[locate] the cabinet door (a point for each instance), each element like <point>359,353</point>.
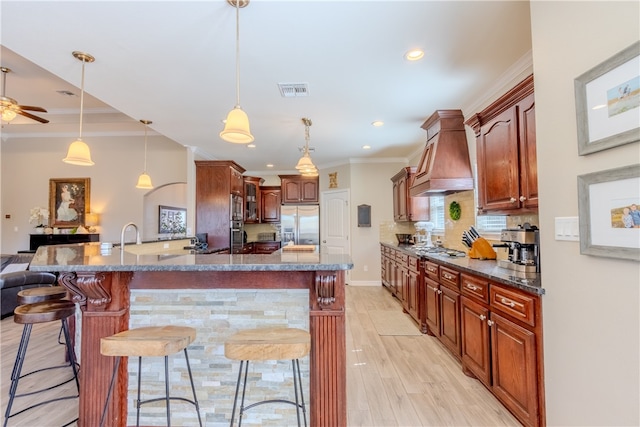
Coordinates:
<point>450,319</point>
<point>309,191</point>
<point>528,157</point>
<point>513,353</point>
<point>497,155</point>
<point>402,199</point>
<point>237,181</point>
<point>396,202</point>
<point>270,205</point>
<point>475,339</point>
<point>432,299</point>
<point>298,190</point>
<point>252,200</point>
<point>413,285</point>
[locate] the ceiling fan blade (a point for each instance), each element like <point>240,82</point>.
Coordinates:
<point>31,108</point>
<point>31,116</point>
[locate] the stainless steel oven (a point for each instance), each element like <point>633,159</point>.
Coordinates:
<point>236,223</point>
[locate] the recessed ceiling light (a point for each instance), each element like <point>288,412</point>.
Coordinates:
<point>366,147</point>
<point>251,145</point>
<point>414,55</point>
<point>269,165</point>
<point>377,123</point>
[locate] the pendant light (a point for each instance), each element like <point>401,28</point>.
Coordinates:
<point>236,128</point>
<point>79,153</point>
<point>305,165</point>
<point>144,181</point>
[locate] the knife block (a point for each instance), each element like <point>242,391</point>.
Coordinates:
<point>481,249</point>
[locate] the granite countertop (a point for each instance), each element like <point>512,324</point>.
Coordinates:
<point>90,257</point>
<point>488,269</point>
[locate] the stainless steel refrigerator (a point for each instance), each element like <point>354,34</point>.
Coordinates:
<point>300,224</point>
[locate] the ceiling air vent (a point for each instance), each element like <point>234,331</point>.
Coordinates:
<point>293,90</point>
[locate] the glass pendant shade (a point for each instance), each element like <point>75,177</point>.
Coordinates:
<point>8,114</point>
<point>236,128</point>
<point>144,181</point>
<point>78,154</point>
<point>304,162</point>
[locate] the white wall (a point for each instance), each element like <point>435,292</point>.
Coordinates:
<point>591,306</point>
<point>28,164</point>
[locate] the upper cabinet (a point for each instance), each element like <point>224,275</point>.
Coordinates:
<point>298,189</point>
<point>506,153</point>
<point>405,207</point>
<point>270,201</point>
<point>252,199</point>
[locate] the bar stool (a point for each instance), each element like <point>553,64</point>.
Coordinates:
<point>40,294</point>
<point>268,344</point>
<point>28,315</point>
<point>146,342</point>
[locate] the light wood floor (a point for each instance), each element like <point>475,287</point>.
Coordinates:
<point>402,381</point>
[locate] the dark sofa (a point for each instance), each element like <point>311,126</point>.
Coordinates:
<point>14,282</point>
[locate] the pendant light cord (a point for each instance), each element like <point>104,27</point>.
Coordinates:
<point>145,148</point>
<point>81,98</point>
<point>237,53</point>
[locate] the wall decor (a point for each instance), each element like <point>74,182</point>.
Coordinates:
<point>364,215</point>
<point>608,102</point>
<point>455,210</point>
<point>333,180</point>
<point>609,213</point>
<point>68,201</point>
<point>172,220</point>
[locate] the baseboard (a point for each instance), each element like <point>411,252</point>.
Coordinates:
<point>364,283</point>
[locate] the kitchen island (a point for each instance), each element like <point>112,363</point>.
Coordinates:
<point>103,283</point>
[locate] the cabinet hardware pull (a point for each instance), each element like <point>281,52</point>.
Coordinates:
<point>507,302</point>
<point>448,276</point>
<point>522,198</point>
<point>512,200</point>
<point>439,292</point>
<point>482,317</point>
<point>472,287</point>
<point>490,322</point>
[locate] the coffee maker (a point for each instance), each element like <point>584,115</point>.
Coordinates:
<point>524,248</point>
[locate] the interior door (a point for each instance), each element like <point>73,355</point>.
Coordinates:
<point>335,226</point>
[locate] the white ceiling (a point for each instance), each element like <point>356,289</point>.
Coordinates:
<point>173,62</point>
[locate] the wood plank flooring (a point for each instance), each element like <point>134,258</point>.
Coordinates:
<point>402,381</point>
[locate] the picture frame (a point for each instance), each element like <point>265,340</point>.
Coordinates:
<point>69,201</point>
<point>608,102</point>
<point>172,220</point>
<point>605,202</point>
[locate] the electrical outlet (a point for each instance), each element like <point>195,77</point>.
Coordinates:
<point>166,246</point>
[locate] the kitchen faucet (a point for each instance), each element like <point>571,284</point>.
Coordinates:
<point>124,229</point>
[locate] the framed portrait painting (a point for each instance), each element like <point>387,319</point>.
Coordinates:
<point>609,213</point>
<point>608,102</point>
<point>68,201</point>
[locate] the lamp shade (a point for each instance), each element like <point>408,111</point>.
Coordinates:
<point>236,128</point>
<point>144,181</point>
<point>91,219</point>
<point>78,154</point>
<point>304,162</point>
<point>8,114</point>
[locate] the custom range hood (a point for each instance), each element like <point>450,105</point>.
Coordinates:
<point>444,167</point>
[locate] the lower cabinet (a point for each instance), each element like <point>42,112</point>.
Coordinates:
<point>265,247</point>
<point>502,345</point>
<point>442,305</point>
<point>401,275</point>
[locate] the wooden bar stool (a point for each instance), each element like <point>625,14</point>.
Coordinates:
<point>268,344</point>
<point>40,294</point>
<point>28,315</point>
<point>146,342</point>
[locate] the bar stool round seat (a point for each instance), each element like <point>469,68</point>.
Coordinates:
<point>28,315</point>
<point>43,293</point>
<point>150,341</point>
<point>268,344</point>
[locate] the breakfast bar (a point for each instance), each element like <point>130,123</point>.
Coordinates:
<point>103,281</point>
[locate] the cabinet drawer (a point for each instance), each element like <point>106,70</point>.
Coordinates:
<point>402,258</point>
<point>413,263</point>
<point>518,305</point>
<point>432,270</point>
<point>475,288</point>
<point>449,278</point>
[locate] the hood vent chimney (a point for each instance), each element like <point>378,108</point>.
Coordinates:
<point>444,167</point>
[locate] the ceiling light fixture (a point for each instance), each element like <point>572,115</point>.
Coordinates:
<point>78,153</point>
<point>377,123</point>
<point>414,55</point>
<point>9,108</point>
<point>236,129</point>
<point>144,181</point>
<point>305,165</point>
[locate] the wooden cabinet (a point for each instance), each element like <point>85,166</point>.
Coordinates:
<point>502,345</point>
<point>298,189</point>
<point>252,198</point>
<point>506,153</point>
<point>215,182</point>
<point>405,207</point>
<point>246,248</point>
<point>270,201</point>
<point>412,294</point>
<point>442,305</point>
<point>265,247</point>
<point>37,240</point>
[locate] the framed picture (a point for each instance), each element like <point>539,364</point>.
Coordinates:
<point>608,102</point>
<point>172,220</point>
<point>68,201</point>
<point>609,213</point>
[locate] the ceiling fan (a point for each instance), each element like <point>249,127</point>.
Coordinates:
<point>9,107</point>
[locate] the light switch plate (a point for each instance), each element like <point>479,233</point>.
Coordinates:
<point>566,228</point>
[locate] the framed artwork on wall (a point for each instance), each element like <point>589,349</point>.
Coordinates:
<point>609,213</point>
<point>172,220</point>
<point>608,102</point>
<point>68,201</point>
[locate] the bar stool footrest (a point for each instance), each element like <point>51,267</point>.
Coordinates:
<point>262,402</point>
